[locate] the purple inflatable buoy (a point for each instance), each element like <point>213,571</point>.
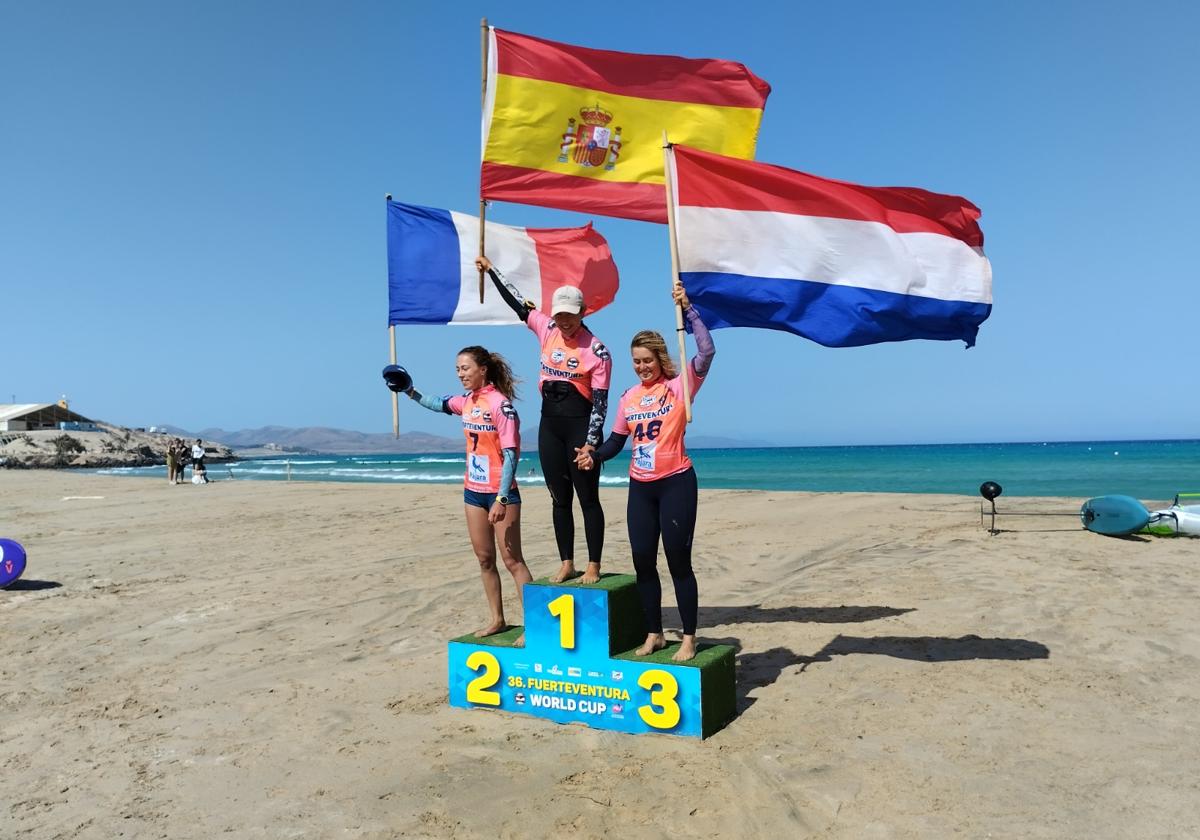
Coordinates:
<point>12,562</point>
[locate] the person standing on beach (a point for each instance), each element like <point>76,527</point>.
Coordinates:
<point>197,457</point>
<point>172,462</point>
<point>662,481</point>
<point>181,459</point>
<point>490,497</point>
<point>575,372</point>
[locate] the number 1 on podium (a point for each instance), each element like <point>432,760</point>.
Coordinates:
<point>563,608</point>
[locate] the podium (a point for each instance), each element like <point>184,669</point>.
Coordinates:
<point>578,666</point>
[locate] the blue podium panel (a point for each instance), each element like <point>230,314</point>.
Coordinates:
<point>571,672</point>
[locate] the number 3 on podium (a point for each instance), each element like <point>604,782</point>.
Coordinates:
<point>663,690</point>
<point>563,608</point>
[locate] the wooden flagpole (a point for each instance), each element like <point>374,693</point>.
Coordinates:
<point>483,54</point>
<point>395,396</point>
<point>683,361</point>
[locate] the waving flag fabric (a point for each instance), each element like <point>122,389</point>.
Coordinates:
<point>841,264</point>
<point>581,129</point>
<point>432,277</point>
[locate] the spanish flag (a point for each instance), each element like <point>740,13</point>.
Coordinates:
<point>581,129</point>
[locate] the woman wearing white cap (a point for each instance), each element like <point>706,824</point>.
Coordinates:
<point>573,380</point>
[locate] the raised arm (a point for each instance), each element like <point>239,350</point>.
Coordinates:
<point>511,294</point>
<point>705,349</point>
<point>439,404</point>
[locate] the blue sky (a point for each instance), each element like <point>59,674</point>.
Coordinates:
<point>192,214</point>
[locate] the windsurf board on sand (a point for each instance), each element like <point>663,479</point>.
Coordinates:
<point>1114,516</point>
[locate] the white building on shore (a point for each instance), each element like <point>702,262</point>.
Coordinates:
<point>31,417</point>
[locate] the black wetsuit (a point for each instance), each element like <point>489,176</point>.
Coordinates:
<point>569,420</point>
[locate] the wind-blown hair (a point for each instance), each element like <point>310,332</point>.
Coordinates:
<point>498,371</point>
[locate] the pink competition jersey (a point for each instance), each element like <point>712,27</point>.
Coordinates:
<point>581,359</point>
<point>490,425</point>
<point>653,415</point>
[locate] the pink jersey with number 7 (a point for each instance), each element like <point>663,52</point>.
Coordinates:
<point>490,425</point>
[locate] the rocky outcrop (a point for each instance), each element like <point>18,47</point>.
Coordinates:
<point>111,446</point>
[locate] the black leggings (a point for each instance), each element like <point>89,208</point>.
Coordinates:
<point>557,439</point>
<point>666,507</point>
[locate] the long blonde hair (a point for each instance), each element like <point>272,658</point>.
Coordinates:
<point>654,342</point>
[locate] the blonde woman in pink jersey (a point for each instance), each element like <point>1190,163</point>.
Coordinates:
<point>662,482</point>
<point>492,503</point>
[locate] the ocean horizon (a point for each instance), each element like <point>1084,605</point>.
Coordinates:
<point>1145,469</point>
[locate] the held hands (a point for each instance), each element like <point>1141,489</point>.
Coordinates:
<point>680,295</point>
<point>483,264</point>
<point>583,457</point>
<point>496,514</point>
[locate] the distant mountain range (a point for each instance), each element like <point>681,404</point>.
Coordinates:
<point>322,439</point>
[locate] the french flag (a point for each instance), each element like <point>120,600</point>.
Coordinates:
<point>432,277</point>
<point>840,264</point>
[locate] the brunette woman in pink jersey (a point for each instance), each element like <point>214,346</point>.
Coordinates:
<point>573,381</point>
<point>491,500</point>
<point>662,482</point>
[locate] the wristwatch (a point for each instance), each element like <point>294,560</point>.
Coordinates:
<point>502,500</point>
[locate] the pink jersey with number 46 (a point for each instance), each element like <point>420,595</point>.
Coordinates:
<point>490,425</point>
<point>653,415</point>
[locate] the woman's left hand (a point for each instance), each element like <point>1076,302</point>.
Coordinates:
<point>680,295</point>
<point>583,457</point>
<point>496,514</point>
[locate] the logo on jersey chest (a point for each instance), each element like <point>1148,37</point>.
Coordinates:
<point>633,415</point>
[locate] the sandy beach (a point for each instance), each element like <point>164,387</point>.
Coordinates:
<point>268,660</point>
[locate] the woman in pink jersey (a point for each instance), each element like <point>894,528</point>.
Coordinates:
<point>662,482</point>
<point>573,381</point>
<point>493,505</point>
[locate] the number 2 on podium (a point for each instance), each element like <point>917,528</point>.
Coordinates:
<point>563,608</point>
<point>478,689</point>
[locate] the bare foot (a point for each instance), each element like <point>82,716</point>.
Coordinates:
<point>492,629</point>
<point>520,642</point>
<point>687,650</point>
<point>564,573</point>
<point>654,641</point>
<point>592,575</point>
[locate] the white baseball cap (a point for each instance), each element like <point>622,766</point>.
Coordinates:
<point>566,299</point>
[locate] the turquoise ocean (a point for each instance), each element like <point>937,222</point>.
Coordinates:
<point>1148,470</point>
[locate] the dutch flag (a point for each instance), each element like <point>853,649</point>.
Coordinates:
<point>838,263</point>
